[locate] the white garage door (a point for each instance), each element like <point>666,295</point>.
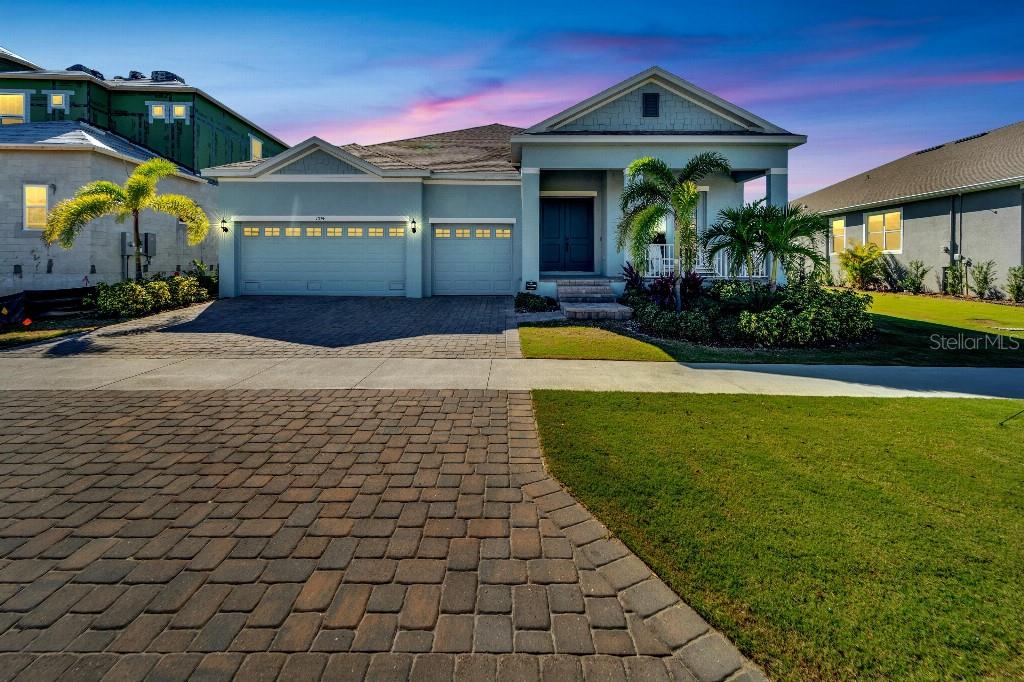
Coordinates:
<point>472,259</point>
<point>323,259</point>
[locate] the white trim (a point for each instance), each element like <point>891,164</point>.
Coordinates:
<point>468,181</point>
<point>864,225</point>
<point>24,206</point>
<point>470,221</point>
<point>751,138</point>
<point>255,138</point>
<point>528,171</point>
<point>831,238</point>
<point>349,177</point>
<point>320,218</point>
<point>568,193</point>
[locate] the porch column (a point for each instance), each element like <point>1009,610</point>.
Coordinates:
<point>613,258</point>
<point>227,244</point>
<point>414,247</point>
<point>530,189</point>
<point>777,194</point>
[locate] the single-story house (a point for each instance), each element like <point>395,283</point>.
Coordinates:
<point>489,210</point>
<point>958,201</point>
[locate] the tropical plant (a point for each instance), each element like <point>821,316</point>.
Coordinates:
<point>913,278</point>
<point>891,272</point>
<point>633,278</point>
<point>654,192</point>
<point>953,279</point>
<point>104,198</point>
<point>983,280</point>
<point>527,302</point>
<point>1015,283</point>
<point>859,264</point>
<point>737,232</point>
<point>663,290</point>
<point>788,233</point>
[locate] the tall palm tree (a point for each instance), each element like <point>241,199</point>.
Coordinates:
<point>737,231</point>
<point>789,233</point>
<point>104,198</point>
<point>652,193</point>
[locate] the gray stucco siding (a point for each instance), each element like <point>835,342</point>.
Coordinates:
<point>609,156</point>
<point>320,198</point>
<point>318,163</point>
<point>626,113</point>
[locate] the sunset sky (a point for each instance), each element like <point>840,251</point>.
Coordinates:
<point>866,83</point>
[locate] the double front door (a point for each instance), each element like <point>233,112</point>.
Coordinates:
<point>566,235</point>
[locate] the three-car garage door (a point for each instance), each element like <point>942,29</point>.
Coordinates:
<point>365,259</point>
<point>472,259</point>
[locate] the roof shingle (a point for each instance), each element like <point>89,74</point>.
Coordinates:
<point>992,157</point>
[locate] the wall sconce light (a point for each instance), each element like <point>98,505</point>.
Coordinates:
<point>412,223</point>
<point>224,225</point>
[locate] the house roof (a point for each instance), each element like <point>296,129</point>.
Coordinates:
<point>18,59</point>
<point>75,136</point>
<point>990,159</point>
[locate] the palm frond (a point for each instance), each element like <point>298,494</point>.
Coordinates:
<point>140,188</point>
<point>641,193</point>
<point>641,229</point>
<point>650,168</point>
<point>185,210</point>
<point>102,188</point>
<point>703,165</point>
<point>69,216</point>
<point>156,169</point>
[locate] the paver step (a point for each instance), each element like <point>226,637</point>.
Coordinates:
<point>593,289</point>
<point>582,282</point>
<point>596,311</point>
<point>608,297</point>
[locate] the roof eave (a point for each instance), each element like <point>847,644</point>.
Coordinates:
<point>921,196</point>
<point>791,140</point>
<point>82,147</point>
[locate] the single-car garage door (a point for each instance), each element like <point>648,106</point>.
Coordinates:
<point>366,259</point>
<point>472,259</point>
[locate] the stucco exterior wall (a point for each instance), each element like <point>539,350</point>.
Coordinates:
<point>318,163</point>
<point>626,113</point>
<point>990,228</point>
<point>571,156</point>
<point>96,254</point>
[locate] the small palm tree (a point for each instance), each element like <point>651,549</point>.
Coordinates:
<point>103,198</point>
<point>789,233</point>
<point>652,193</point>
<point>737,232</point>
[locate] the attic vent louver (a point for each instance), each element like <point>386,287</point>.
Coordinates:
<point>85,69</point>
<point>165,77</point>
<point>971,137</point>
<point>651,107</point>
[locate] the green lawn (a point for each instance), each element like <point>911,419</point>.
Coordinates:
<point>906,326</point>
<point>830,538</point>
<point>42,330</point>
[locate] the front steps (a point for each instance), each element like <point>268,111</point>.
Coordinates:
<point>590,299</point>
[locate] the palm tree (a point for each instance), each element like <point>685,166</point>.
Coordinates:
<point>652,193</point>
<point>737,232</point>
<point>103,198</point>
<point>788,233</point>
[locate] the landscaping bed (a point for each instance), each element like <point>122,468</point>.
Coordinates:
<point>829,538</point>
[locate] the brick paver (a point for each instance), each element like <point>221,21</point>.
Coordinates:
<point>390,535</point>
<point>310,326</point>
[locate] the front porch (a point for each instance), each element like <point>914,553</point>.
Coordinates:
<point>662,263</point>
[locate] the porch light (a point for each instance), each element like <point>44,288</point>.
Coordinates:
<point>412,225</point>
<point>224,225</point>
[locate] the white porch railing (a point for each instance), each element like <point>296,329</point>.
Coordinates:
<point>663,263</point>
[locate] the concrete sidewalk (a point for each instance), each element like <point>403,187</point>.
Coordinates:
<point>134,373</point>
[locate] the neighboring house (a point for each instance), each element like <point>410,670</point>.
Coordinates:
<point>487,210</point>
<point>955,201</point>
<point>62,129</point>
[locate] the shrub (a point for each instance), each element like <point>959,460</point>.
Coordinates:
<point>207,275</point>
<point>532,303</point>
<point>913,279</point>
<point>1015,283</point>
<point>983,280</point>
<point>634,280</point>
<point>185,290</point>
<point>159,292</point>
<point>124,299</point>
<point>808,316</point>
<point>663,291</point>
<point>735,295</point>
<point>953,280</point>
<point>691,285</point>
<point>891,272</point>
<point>860,265</point>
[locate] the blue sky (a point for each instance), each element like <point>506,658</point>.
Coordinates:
<point>867,82</point>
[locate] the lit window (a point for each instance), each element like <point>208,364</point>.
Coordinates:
<point>375,232</point>
<point>503,233</point>
<point>313,232</point>
<point>838,226</point>
<point>35,206</point>
<point>157,112</point>
<point>255,148</point>
<point>462,232</point>
<point>251,231</point>
<point>293,232</point>
<point>179,111</point>
<point>271,231</point>
<point>57,101</point>
<point>12,108</point>
<point>885,230</point>
<point>335,231</point>
<point>483,233</point>
<point>355,232</point>
<point>442,232</point>
<point>396,231</point>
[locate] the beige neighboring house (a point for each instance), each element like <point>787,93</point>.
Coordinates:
<point>956,201</point>
<point>45,162</point>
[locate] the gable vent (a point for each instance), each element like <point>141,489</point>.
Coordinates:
<point>651,104</point>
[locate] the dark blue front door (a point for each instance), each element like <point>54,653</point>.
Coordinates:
<point>566,235</point>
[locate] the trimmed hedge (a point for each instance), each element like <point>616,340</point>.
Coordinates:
<point>132,299</point>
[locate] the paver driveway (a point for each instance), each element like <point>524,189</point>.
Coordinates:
<point>315,534</point>
<point>317,326</point>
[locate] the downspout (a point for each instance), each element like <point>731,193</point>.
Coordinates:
<point>960,248</point>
